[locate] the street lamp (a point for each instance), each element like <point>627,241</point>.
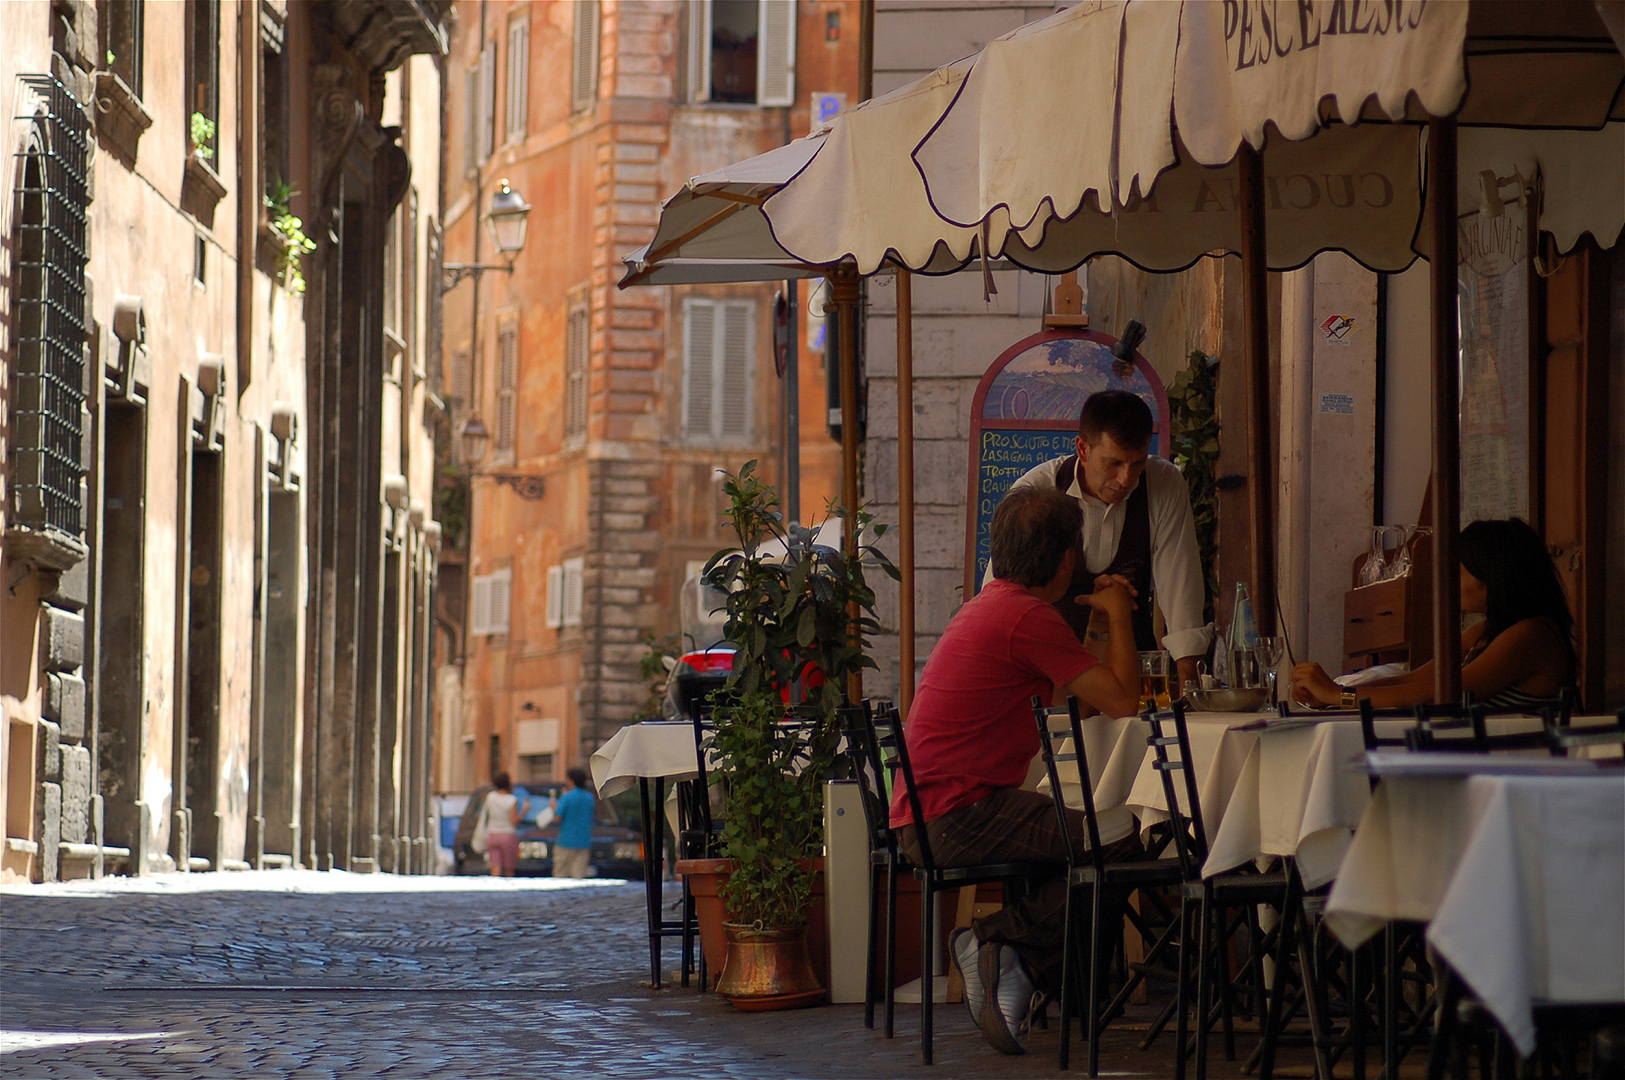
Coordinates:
<point>507,220</point>
<point>475,438</point>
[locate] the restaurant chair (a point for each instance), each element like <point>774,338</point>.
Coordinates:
<point>1562,741</point>
<point>1107,885</point>
<point>868,770</point>
<point>1206,901</point>
<point>934,879</point>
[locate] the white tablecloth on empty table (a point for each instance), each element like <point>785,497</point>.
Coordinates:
<point>1521,879</point>
<point>652,749</point>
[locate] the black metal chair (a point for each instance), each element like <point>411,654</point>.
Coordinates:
<point>868,771</point>
<point>1206,900</point>
<point>1109,886</point>
<point>892,750</point>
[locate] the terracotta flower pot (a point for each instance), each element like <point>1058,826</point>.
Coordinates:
<point>705,878</point>
<point>768,969</point>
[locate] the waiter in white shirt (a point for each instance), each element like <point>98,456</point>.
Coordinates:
<point>1137,523</point>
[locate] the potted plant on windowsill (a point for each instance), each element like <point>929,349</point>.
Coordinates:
<point>798,613</point>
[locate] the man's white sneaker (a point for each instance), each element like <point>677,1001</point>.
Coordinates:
<point>963,946</point>
<point>1007,1004</point>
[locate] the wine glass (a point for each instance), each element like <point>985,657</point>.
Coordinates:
<point>1371,571</point>
<point>1271,648</point>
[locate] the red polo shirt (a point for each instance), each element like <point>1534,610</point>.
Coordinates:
<point>970,729</point>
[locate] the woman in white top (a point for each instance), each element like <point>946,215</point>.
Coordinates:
<point>501,814</point>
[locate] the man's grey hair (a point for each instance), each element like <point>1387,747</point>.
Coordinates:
<point>1033,529</point>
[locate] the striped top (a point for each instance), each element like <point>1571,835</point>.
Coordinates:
<point>1513,699</point>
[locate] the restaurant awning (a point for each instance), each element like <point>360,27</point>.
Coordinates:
<point>1527,93</point>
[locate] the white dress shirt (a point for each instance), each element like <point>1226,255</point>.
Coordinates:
<point>1176,566</point>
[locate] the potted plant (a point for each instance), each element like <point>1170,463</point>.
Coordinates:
<point>797,613</point>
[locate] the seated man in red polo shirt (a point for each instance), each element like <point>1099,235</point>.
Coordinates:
<point>971,737</point>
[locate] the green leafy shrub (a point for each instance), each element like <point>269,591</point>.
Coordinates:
<point>202,132</point>
<point>1192,400</point>
<point>290,232</point>
<point>793,617</point>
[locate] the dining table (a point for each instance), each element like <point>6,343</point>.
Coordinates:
<point>648,756</point>
<point>1517,866</point>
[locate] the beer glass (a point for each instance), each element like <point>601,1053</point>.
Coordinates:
<point>1156,675</point>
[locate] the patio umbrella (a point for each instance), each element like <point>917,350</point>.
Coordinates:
<point>1193,86</point>
<point>842,203</point>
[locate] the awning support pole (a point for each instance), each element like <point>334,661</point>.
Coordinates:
<point>905,488</point>
<point>1255,305</point>
<point>1446,417</point>
<point>844,296</point>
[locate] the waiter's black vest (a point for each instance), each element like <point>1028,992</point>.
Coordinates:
<point>1132,560</point>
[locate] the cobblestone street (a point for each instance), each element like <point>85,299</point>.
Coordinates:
<point>239,975</point>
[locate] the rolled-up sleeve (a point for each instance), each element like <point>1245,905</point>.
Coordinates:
<point>1176,565</point>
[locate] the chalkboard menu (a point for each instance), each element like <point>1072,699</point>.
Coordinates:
<point>1026,413</point>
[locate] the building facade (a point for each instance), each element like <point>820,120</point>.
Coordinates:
<point>217,443</point>
<point>609,412</point>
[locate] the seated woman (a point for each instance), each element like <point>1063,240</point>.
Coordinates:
<point>1519,658</point>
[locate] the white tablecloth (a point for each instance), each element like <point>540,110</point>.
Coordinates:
<point>1127,787</point>
<point>650,749</point>
<point>1521,879</point>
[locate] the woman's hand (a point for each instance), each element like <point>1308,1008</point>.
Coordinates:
<point>1312,686</point>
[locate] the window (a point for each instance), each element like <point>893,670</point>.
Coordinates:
<point>718,343</point>
<point>575,375</point>
<point>488,100</point>
<point>742,51</point>
<point>203,65</point>
<point>479,105</point>
<point>584,56</point>
<point>575,571</point>
<point>507,376</point>
<point>48,297</point>
<point>471,118</point>
<point>275,158</point>
<point>555,596</point>
<point>490,604</point>
<point>123,21</point>
<point>518,77</point>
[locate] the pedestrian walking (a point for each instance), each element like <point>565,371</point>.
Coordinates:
<point>499,819</point>
<point>575,812</point>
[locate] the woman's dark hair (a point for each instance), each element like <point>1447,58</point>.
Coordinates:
<point>502,782</point>
<point>1033,529</point>
<point>1519,579</point>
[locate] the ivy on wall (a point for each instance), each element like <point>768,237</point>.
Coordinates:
<point>1195,427</point>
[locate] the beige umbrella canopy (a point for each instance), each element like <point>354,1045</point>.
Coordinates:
<point>1131,105</point>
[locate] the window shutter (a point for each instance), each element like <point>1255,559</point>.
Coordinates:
<point>575,389</point>
<point>507,377</point>
<point>555,596</point>
<point>776,52</point>
<point>479,617</point>
<point>699,50</point>
<point>584,57</point>
<point>501,597</point>
<point>734,370</point>
<point>471,118</point>
<point>518,77</point>
<point>699,367</point>
<point>488,100</point>
<point>574,587</point>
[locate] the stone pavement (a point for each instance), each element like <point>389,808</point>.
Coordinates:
<point>290,974</point>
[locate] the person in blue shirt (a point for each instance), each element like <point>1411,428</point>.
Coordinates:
<point>574,810</point>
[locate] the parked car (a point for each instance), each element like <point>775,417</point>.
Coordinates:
<point>617,843</point>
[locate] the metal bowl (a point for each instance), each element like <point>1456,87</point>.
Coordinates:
<point>1239,699</point>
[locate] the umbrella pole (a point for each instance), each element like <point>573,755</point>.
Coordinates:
<point>1446,417</point>
<point>1255,304</point>
<point>844,295</point>
<point>905,488</point>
